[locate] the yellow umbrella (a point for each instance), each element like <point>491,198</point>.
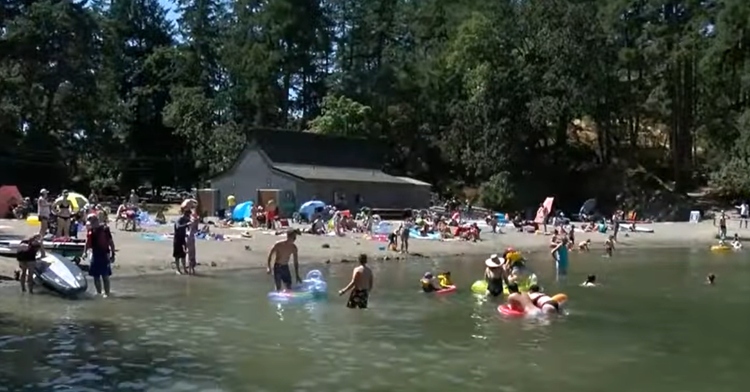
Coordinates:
<point>77,201</point>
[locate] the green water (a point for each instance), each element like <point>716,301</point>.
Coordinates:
<point>652,326</point>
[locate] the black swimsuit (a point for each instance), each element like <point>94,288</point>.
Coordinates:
<point>495,286</point>
<point>358,299</point>
<point>552,302</point>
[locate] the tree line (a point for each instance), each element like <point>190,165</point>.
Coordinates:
<point>515,99</point>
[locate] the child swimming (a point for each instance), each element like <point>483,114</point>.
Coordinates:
<point>710,279</point>
<point>590,281</point>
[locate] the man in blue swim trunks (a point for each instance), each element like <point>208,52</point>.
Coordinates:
<point>99,241</point>
<point>280,254</point>
<point>560,254</point>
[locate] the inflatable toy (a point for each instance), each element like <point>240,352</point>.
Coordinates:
<point>446,290</point>
<point>479,287</point>
<point>33,220</point>
<point>506,310</point>
<point>312,287</point>
<point>721,248</point>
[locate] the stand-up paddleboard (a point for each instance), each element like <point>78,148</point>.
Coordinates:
<point>58,274</point>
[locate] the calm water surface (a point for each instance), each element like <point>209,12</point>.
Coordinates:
<point>653,326</point>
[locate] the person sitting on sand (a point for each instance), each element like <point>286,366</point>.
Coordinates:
<point>710,279</point>
<point>584,246</point>
<point>609,246</point>
<point>520,301</point>
<point>360,285</point>
<point>494,275</point>
<point>590,281</point>
<point>543,301</point>
<point>430,283</point>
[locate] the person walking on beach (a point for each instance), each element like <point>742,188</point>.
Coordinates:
<point>280,254</point>
<point>102,246</point>
<point>360,285</point>
<point>179,242</point>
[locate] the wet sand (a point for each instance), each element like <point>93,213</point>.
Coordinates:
<point>137,256</point>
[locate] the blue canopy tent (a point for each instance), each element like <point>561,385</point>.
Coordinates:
<point>307,209</point>
<point>242,211</point>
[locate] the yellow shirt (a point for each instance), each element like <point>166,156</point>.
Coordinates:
<point>230,201</point>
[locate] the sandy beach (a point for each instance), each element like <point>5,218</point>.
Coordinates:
<point>138,256</point>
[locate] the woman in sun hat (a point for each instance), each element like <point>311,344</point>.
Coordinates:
<point>494,275</point>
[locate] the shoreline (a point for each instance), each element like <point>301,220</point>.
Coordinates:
<point>138,257</point>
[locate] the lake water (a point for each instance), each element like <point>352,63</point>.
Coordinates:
<point>652,326</point>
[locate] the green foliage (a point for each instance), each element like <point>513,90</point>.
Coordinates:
<point>342,116</point>
<point>497,192</point>
<point>527,96</point>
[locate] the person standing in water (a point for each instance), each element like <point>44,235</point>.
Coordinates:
<point>26,257</point>
<point>190,244</point>
<point>280,254</point>
<point>102,246</point>
<point>360,285</point>
<point>179,242</point>
<point>560,255</point>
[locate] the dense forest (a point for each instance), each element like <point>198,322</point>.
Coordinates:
<point>516,99</point>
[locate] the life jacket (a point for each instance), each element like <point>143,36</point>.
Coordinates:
<point>444,280</point>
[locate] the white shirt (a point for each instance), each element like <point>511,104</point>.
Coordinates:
<point>43,207</point>
<point>744,209</point>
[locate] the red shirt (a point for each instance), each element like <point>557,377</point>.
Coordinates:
<point>98,239</point>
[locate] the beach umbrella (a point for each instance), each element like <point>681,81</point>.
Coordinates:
<point>77,201</point>
<point>308,208</point>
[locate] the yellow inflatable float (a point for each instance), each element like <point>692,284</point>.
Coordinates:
<point>721,248</point>
<point>33,220</point>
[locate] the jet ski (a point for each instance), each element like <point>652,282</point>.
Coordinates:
<point>60,275</point>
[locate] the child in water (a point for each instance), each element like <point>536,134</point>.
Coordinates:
<point>590,281</point>
<point>736,244</point>
<point>583,246</point>
<point>430,283</point>
<point>609,246</point>
<point>710,279</point>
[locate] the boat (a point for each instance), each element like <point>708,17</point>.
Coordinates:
<point>60,275</point>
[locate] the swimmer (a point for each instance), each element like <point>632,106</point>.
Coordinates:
<point>584,246</point>
<point>360,285</point>
<point>430,284</point>
<point>519,301</point>
<point>609,246</point>
<point>494,275</point>
<point>590,281</point>
<point>710,279</point>
<point>283,250</point>
<point>543,301</point>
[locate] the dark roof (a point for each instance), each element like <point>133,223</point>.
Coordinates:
<point>308,172</point>
<point>306,148</point>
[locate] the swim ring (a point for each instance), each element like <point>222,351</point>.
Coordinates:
<point>506,310</point>
<point>720,248</point>
<point>446,290</point>
<point>312,287</point>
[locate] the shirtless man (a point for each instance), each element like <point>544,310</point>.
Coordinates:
<point>283,250</point>
<point>360,285</point>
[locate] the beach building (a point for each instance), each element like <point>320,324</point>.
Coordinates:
<point>291,167</point>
